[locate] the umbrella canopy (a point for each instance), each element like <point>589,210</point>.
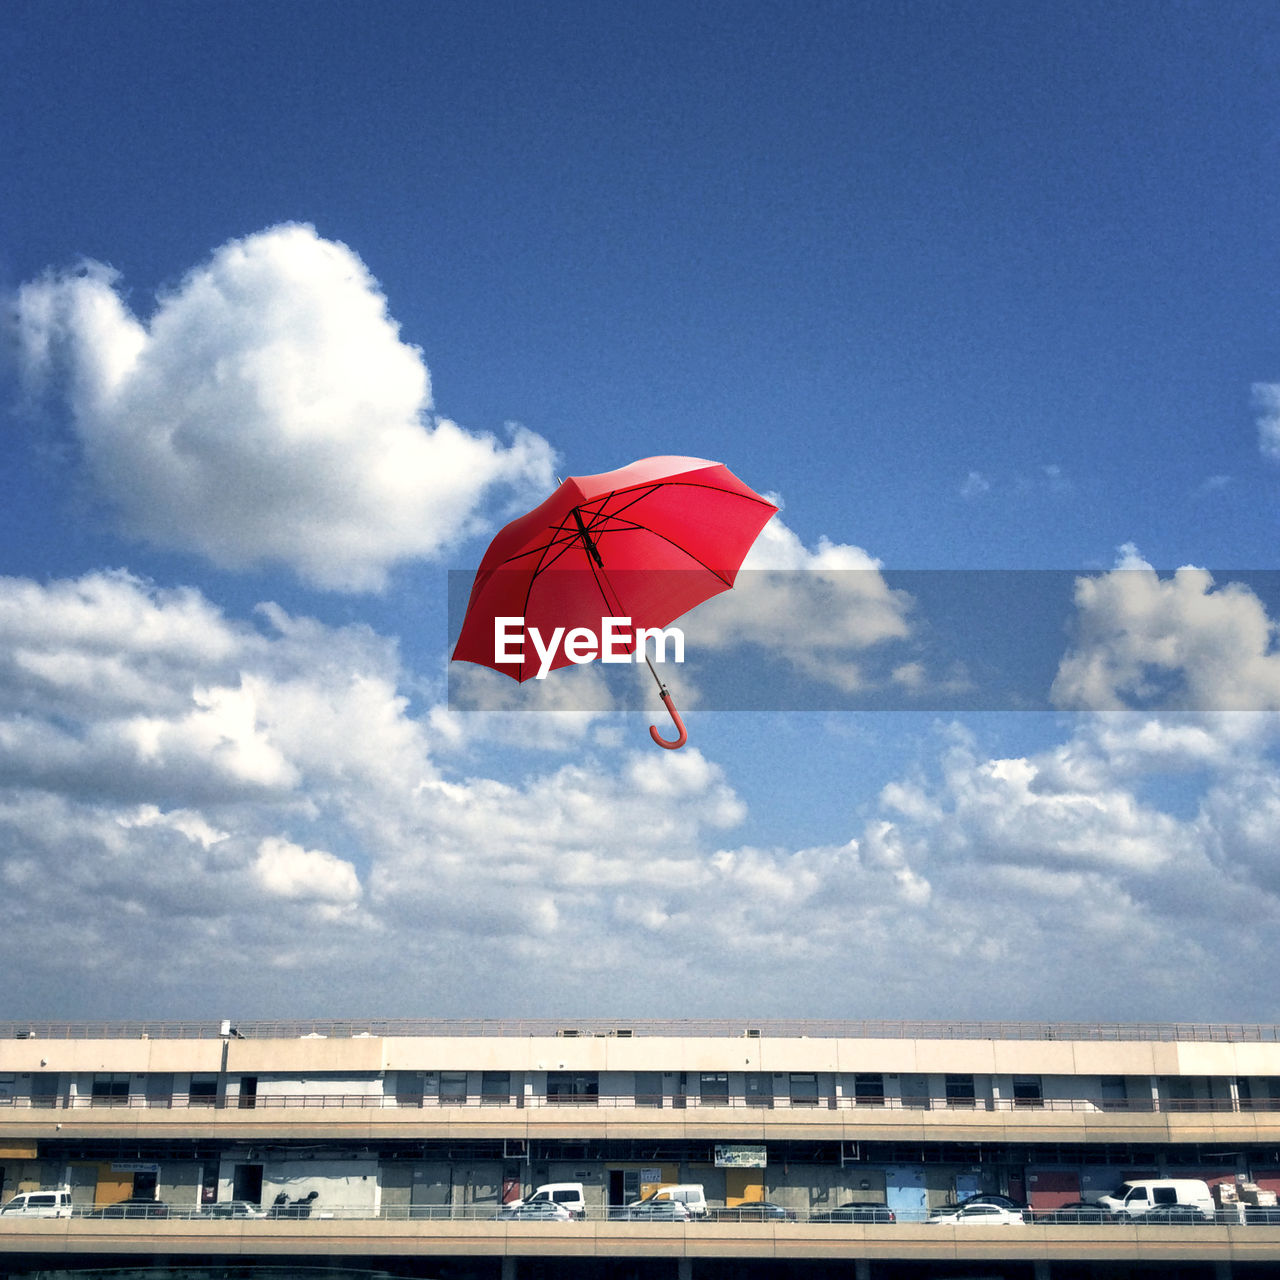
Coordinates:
<point>647,542</point>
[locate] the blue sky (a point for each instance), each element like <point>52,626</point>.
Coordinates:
<point>305,301</point>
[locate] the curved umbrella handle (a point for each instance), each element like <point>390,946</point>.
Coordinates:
<point>675,716</point>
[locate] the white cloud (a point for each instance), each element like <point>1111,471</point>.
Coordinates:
<point>267,412</point>
<point>286,870</point>
<point>298,819</point>
<point>1032,812</point>
<point>1266,399</point>
<point>818,610</point>
<point>1174,643</point>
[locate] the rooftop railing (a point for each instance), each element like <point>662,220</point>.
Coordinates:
<point>860,1029</point>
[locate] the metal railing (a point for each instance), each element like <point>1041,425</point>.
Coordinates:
<point>491,1212</point>
<point>862,1029</point>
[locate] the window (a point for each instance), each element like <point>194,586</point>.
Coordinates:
<point>410,1088</point>
<point>1260,1094</point>
<point>915,1092</point>
<point>203,1091</point>
<point>804,1089</point>
<point>453,1088</point>
<point>713,1089</point>
<point>495,1086</point>
<point>648,1089</point>
<point>1115,1093</point>
<point>159,1089</point>
<point>1027,1091</point>
<point>960,1091</point>
<point>44,1088</point>
<point>111,1090</point>
<point>573,1087</point>
<point>868,1089</point>
<point>759,1089</point>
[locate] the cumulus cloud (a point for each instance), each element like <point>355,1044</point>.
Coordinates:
<point>1182,642</point>
<point>818,610</point>
<point>268,411</point>
<point>1266,400</point>
<point>332,835</point>
<point>287,870</point>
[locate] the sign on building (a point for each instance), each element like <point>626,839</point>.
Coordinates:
<point>741,1156</point>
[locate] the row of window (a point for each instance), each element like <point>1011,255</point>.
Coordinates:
<point>411,1088</point>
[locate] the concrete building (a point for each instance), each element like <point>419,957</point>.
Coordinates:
<point>405,1139</point>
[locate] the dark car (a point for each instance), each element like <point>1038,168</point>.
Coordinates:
<point>1168,1215</point>
<point>1076,1211</point>
<point>655,1211</point>
<point>754,1211</point>
<point>536,1211</point>
<point>991,1197</point>
<point>232,1209</point>
<point>133,1207</point>
<point>857,1211</point>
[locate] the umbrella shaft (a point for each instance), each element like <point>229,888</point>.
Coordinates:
<point>649,661</point>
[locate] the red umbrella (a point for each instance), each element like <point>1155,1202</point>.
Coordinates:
<point>646,543</point>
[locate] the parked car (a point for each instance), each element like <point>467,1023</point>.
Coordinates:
<point>754,1211</point>
<point>572,1195</point>
<point>976,1215</point>
<point>1076,1211</point>
<point>1171,1215</point>
<point>535,1211</point>
<point>233,1209</point>
<point>652,1210</point>
<point>39,1204</point>
<point>689,1194</point>
<point>1139,1195</point>
<point>991,1197</point>
<point>133,1207</point>
<point>856,1211</point>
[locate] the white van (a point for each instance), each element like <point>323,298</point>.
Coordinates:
<point>39,1204</point>
<point>1132,1198</point>
<point>572,1195</point>
<point>688,1194</point>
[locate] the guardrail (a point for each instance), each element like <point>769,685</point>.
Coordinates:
<point>1243,1215</point>
<point>640,1103</point>
<point>865,1029</point>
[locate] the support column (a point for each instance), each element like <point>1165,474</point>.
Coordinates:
<point>862,1269</point>
<point>684,1269</point>
<point>510,1268</point>
<point>1222,1271</point>
<point>1042,1269</point>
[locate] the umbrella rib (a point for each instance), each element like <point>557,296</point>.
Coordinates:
<point>542,548</point>
<point>600,515</point>
<point>635,525</point>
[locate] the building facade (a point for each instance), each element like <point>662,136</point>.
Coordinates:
<point>386,1123</point>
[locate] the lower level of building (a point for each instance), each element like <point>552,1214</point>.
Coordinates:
<point>474,1179</point>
